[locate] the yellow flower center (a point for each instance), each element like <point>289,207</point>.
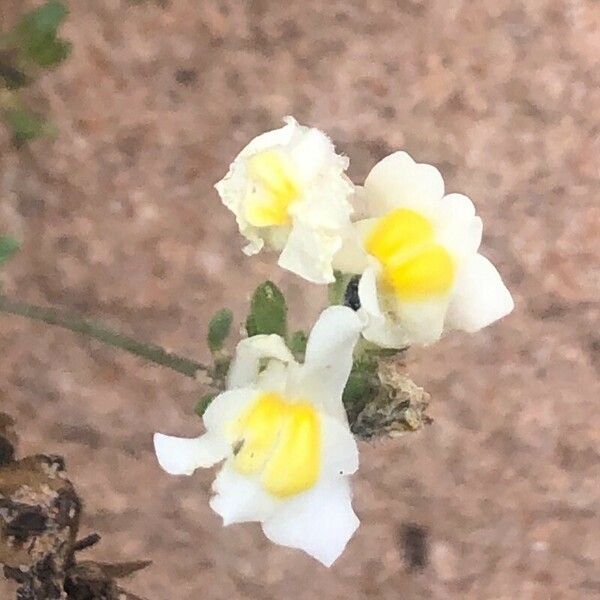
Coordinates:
<point>281,441</point>
<point>415,267</point>
<point>274,188</point>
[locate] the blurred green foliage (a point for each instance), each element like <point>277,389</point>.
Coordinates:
<point>268,311</point>
<point>297,344</point>
<point>36,35</point>
<point>25,125</point>
<point>203,404</point>
<point>30,47</point>
<point>219,329</point>
<point>8,247</point>
<point>337,289</point>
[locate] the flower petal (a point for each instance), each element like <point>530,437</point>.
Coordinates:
<point>240,498</point>
<point>232,188</point>
<point>398,180</point>
<point>352,257</point>
<point>328,359</point>
<point>385,334</point>
<point>309,253</point>
<point>423,322</point>
<point>458,228</point>
<point>360,203</point>
<point>245,365</point>
<point>480,297</point>
<point>409,322</point>
<point>182,456</point>
<point>311,151</point>
<point>274,377</point>
<point>339,451</point>
<point>320,521</point>
<point>226,408</point>
<point>367,292</point>
<point>275,137</point>
<point>379,329</point>
<point>330,215</point>
<point>460,205</point>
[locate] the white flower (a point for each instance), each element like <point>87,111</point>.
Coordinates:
<point>417,254</point>
<point>283,432</point>
<point>287,188</point>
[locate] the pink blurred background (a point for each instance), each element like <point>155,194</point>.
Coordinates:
<point>498,498</point>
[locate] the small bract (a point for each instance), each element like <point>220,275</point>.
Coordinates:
<point>283,432</point>
<point>287,189</point>
<point>417,252</point>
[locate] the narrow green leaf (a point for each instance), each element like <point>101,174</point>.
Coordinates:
<point>25,126</point>
<point>297,343</point>
<point>204,403</point>
<point>219,328</point>
<point>268,311</point>
<point>8,247</point>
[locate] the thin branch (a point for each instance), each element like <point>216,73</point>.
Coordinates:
<point>97,331</point>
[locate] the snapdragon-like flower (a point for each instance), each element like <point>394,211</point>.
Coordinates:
<point>288,190</point>
<point>283,432</point>
<point>417,253</point>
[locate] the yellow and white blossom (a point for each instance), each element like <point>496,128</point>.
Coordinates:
<point>283,432</point>
<point>418,256</point>
<point>288,190</point>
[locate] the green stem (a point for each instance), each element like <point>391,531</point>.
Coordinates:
<point>53,316</point>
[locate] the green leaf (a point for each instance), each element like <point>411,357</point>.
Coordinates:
<point>364,382</point>
<point>25,126</point>
<point>297,343</point>
<point>361,386</point>
<point>204,403</point>
<point>36,34</point>
<point>219,328</point>
<point>48,52</point>
<point>48,17</point>
<point>357,388</point>
<point>8,247</point>
<point>268,311</point>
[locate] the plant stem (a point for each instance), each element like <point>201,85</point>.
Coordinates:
<point>97,331</point>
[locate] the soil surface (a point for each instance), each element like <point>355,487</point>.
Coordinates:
<point>499,498</point>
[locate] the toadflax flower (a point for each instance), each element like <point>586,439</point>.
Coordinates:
<point>417,254</point>
<point>288,190</point>
<point>282,430</point>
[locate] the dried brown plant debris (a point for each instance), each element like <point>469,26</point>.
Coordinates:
<point>40,512</point>
<point>399,406</point>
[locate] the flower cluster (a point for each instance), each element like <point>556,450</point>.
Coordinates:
<point>283,433</point>
<point>281,426</point>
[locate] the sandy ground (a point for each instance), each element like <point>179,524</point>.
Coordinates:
<point>120,222</point>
